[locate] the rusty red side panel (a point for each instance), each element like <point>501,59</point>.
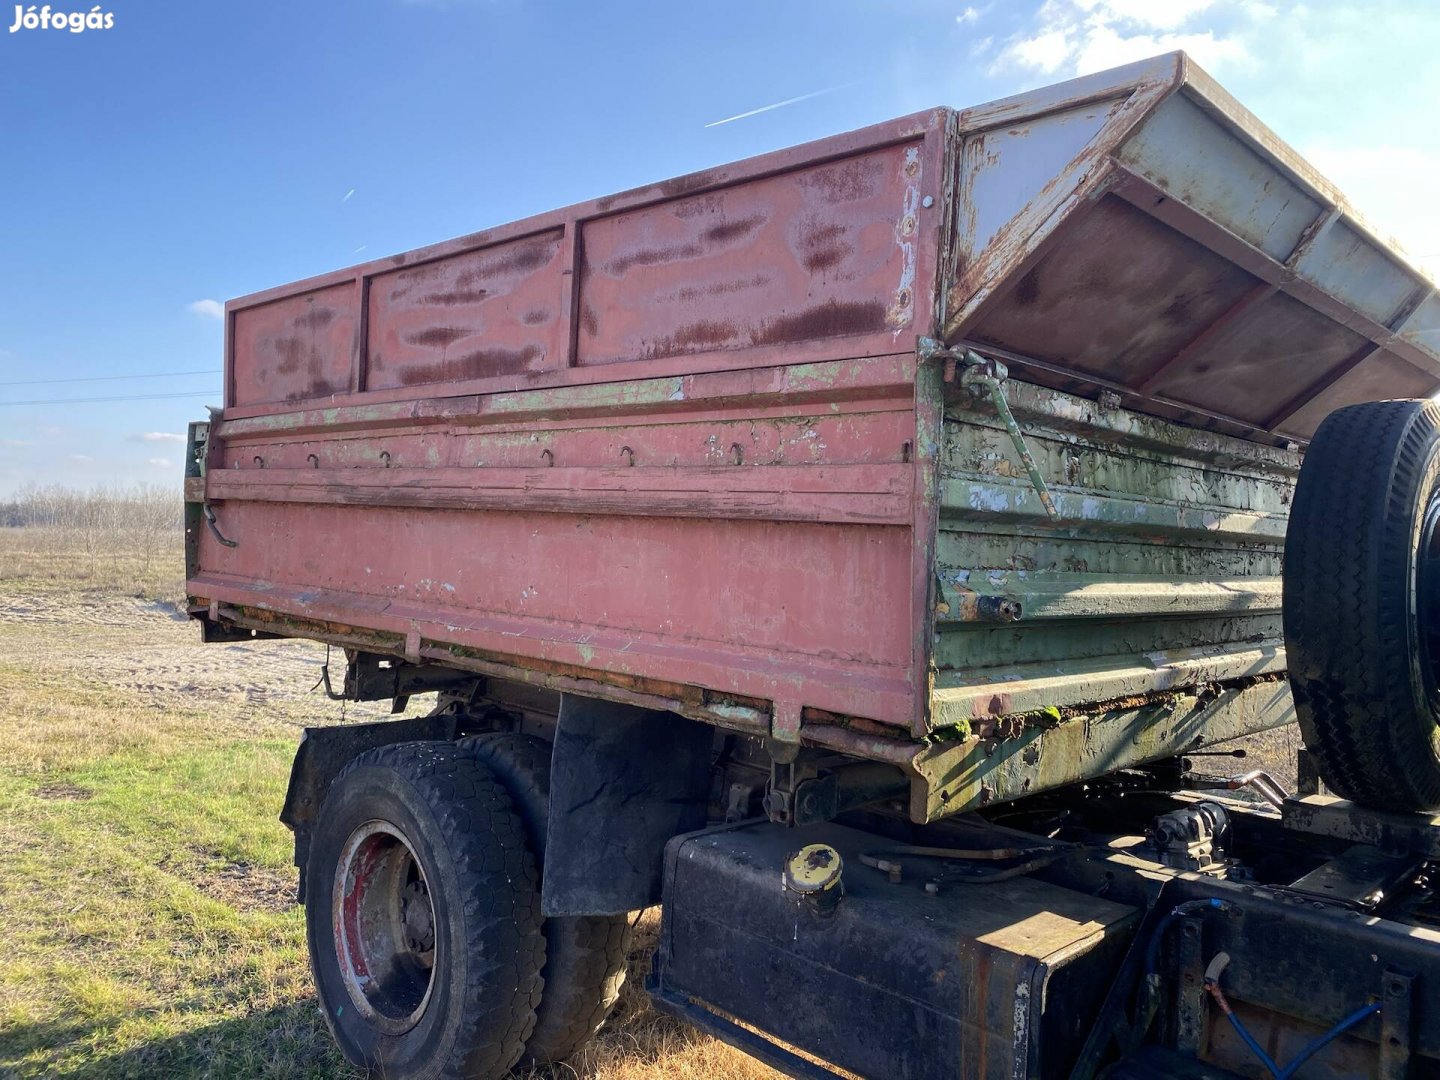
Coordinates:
<point>814,254</point>
<point>667,439</point>
<point>296,348</point>
<point>491,312</point>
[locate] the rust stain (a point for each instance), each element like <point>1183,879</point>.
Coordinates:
<point>316,319</point>
<point>681,185</point>
<point>438,337</point>
<point>825,246</point>
<point>721,288</point>
<point>684,185</point>
<point>475,365</point>
<point>589,320</point>
<point>830,319</point>
<point>619,267</point>
<point>733,230</point>
<point>451,297</point>
<point>699,206</point>
<point>523,259</point>
<point>705,332</point>
<point>849,181</point>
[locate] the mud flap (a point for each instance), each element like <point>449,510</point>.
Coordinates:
<point>623,781</point>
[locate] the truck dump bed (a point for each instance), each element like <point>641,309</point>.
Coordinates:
<point>683,446</point>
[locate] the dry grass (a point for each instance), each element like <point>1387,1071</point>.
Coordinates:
<point>53,558</point>
<point>145,883</point>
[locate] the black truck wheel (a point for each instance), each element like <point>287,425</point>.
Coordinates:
<point>584,955</point>
<point>423,916</point>
<point>1362,603</point>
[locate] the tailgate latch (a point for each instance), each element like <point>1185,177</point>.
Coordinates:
<point>981,373</point>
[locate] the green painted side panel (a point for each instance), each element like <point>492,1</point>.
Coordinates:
<point>1161,571</point>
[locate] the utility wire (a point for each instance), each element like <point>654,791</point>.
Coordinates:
<point>109,378</point>
<point>123,397</point>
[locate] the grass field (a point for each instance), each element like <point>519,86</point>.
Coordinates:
<point>146,922</point>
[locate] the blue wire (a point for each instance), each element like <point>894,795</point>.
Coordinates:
<point>1157,937</point>
<point>1309,1050</point>
<point>1313,1047</point>
<point>1255,1047</point>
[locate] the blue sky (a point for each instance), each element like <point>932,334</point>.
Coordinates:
<point>201,150</point>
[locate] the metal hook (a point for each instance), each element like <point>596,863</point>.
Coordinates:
<point>628,454</point>
<point>209,512</point>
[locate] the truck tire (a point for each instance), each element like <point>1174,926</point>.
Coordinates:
<point>423,916</point>
<point>1362,603</point>
<point>584,955</point>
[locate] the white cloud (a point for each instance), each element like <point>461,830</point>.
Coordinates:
<point>160,462</point>
<point>1076,37</point>
<point>16,442</point>
<point>159,436</point>
<point>211,309</point>
<point>81,459</point>
<point>1046,52</point>
<point>1168,15</point>
<point>969,15</point>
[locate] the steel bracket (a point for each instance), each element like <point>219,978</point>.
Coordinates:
<point>785,724</point>
<point>1396,1032</point>
<point>987,375</point>
<point>1190,1006</point>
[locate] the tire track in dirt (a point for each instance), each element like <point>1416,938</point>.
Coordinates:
<point>153,649</point>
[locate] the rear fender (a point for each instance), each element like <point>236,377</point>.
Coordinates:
<point>324,751</point>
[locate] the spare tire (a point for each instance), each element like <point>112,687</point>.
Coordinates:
<point>1362,603</point>
<point>585,955</point>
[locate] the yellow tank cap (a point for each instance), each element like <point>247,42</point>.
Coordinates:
<point>813,869</point>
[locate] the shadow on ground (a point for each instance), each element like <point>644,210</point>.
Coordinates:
<point>289,1041</point>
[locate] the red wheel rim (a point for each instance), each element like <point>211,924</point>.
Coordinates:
<point>384,924</point>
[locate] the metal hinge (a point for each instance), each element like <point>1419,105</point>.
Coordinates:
<point>982,373</point>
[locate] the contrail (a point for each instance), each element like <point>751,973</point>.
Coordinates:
<point>777,105</point>
<point>347,195</point>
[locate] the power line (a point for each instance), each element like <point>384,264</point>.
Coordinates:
<point>123,397</point>
<point>109,378</point>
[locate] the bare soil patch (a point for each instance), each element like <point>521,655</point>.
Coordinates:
<point>63,790</point>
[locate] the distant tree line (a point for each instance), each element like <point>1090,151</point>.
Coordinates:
<point>142,518</point>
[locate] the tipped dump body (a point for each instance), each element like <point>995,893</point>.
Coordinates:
<point>681,445</point>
